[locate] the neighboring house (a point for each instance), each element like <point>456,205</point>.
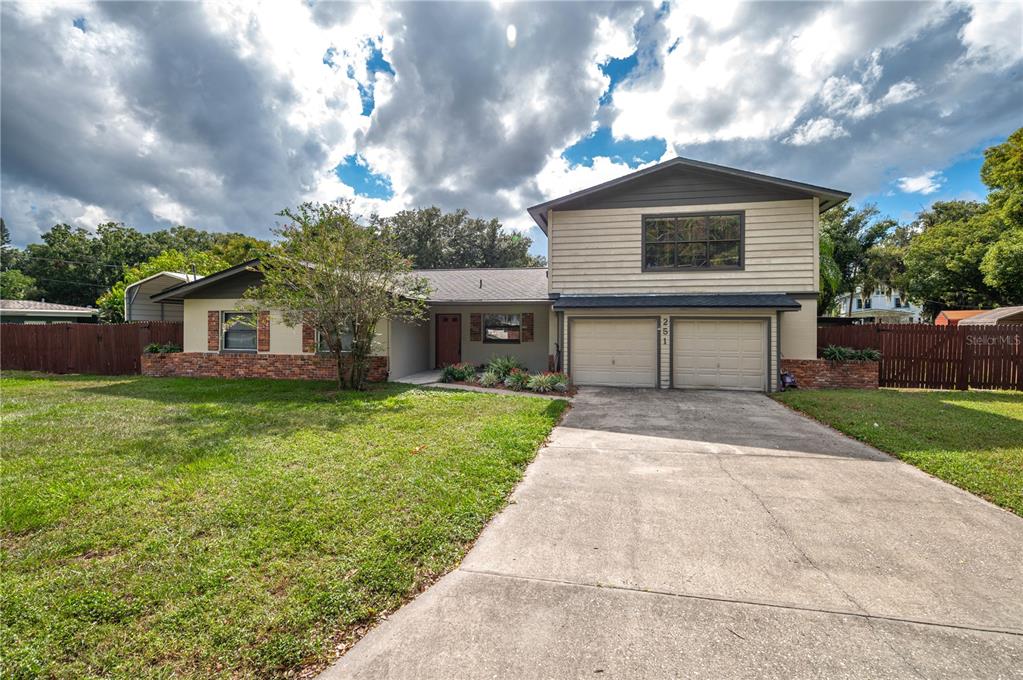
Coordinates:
<point>138,305</point>
<point>952,317</point>
<point>1003,316</point>
<point>30,311</point>
<point>878,307</point>
<point>684,274</point>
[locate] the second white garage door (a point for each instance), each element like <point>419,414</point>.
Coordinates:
<point>615,352</point>
<point>719,354</point>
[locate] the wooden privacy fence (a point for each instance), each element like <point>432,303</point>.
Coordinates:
<point>106,349</point>
<point>938,357</point>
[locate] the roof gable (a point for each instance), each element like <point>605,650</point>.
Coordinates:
<point>683,181</point>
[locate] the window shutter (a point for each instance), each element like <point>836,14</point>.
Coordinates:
<point>213,331</point>
<point>527,327</point>
<point>308,338</point>
<point>475,327</point>
<point>263,332</point>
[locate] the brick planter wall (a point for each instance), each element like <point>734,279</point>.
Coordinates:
<point>812,374</point>
<point>279,366</point>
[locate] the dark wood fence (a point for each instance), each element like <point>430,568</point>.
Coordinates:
<point>938,357</point>
<point>106,349</point>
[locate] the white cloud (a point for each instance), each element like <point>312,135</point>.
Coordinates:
<point>995,31</point>
<point>927,183</point>
<point>816,130</point>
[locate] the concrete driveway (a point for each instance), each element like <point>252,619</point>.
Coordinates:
<point>712,535</point>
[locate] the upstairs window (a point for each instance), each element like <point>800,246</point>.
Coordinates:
<point>712,241</point>
<point>859,303</point>
<point>239,331</point>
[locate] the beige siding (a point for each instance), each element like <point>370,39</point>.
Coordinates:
<point>600,251</point>
<point>799,331</point>
<point>666,317</point>
<point>533,354</point>
<point>284,339</point>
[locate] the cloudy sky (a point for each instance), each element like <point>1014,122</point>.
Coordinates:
<point>218,115</point>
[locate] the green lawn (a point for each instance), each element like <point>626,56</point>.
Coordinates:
<point>971,439</point>
<point>198,528</point>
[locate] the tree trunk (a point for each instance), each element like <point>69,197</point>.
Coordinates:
<point>340,369</point>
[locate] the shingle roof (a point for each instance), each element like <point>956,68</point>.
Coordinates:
<point>954,314</point>
<point>35,306</point>
<point>734,300</point>
<point>992,316</point>
<point>486,285</point>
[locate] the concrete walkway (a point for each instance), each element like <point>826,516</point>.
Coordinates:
<point>713,535</point>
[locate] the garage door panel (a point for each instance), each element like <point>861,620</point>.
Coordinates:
<point>615,352</point>
<point>720,354</point>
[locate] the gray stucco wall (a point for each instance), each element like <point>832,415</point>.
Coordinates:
<point>409,348</point>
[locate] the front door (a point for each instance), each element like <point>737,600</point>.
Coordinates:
<point>449,339</point>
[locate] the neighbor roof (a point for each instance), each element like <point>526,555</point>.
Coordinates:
<point>994,316</point>
<point>447,285</point>
<point>486,285</point>
<point>960,314</point>
<point>829,197</point>
<point>745,300</point>
<point>33,307</point>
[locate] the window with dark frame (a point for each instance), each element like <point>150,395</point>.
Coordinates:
<point>239,331</point>
<point>502,328</point>
<point>323,348</point>
<point>712,241</point>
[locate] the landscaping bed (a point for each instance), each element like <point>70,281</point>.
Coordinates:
<point>508,373</point>
<point>215,528</point>
<point>973,440</point>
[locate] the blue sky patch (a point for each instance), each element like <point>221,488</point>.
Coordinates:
<point>79,23</point>
<point>354,172</point>
<point>617,70</point>
<point>633,152</point>
<point>376,63</point>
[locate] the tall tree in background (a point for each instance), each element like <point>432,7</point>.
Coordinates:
<point>433,239</point>
<point>853,233</point>
<point>111,303</point>
<point>340,277</point>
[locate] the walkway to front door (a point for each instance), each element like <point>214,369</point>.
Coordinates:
<point>699,534</point>
<point>449,339</point>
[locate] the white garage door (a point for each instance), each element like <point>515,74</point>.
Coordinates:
<point>615,352</point>
<point>719,354</point>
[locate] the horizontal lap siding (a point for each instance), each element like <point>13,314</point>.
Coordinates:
<point>600,251</point>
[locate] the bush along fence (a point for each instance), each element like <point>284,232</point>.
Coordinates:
<point>105,349</point>
<point>937,357</point>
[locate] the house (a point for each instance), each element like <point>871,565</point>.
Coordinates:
<point>33,312</point>
<point>952,317</point>
<point>684,274</point>
<point>138,303</point>
<point>1003,316</point>
<point>879,307</point>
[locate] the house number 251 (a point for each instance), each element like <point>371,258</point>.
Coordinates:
<point>664,330</point>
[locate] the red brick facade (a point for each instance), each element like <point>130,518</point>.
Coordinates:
<point>527,327</point>
<point>308,338</point>
<point>814,374</point>
<point>279,366</point>
<point>213,331</point>
<point>475,327</point>
<point>263,332</point>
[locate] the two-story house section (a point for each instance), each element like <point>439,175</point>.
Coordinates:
<point>685,275</point>
<point>879,307</point>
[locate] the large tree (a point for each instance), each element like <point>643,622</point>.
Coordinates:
<point>111,303</point>
<point>433,239</point>
<point>852,233</point>
<point>340,277</point>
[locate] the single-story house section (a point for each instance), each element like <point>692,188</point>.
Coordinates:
<point>31,311</point>
<point>681,275</point>
<point>1003,316</point>
<point>138,303</point>
<point>952,317</point>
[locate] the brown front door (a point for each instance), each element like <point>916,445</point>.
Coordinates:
<point>449,339</point>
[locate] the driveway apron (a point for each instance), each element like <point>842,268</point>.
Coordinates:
<point>704,534</point>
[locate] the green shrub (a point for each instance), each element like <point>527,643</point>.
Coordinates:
<point>836,353</point>
<point>490,379</point>
<point>502,366</point>
<point>157,348</point>
<point>517,379</point>
<point>462,372</point>
<point>547,382</point>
